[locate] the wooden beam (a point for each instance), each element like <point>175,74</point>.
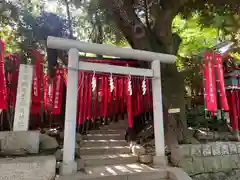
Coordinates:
<point>103,49</point>
<point>105,68</point>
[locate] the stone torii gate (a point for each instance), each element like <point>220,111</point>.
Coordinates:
<point>74,47</point>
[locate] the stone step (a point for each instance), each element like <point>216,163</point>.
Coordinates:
<point>104,136</point>
<point>104,150</point>
<point>101,160</point>
<point>107,131</point>
<point>97,143</point>
<point>119,172</point>
<point>115,127</point>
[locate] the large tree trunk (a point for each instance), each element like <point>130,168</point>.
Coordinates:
<point>158,39</point>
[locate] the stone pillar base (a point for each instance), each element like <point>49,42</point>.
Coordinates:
<point>236,135</point>
<point>68,168</point>
<point>160,161</point>
<point>178,174</point>
<point>80,164</point>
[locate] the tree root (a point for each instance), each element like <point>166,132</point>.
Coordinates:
<point>216,136</point>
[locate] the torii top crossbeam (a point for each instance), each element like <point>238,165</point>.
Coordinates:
<point>102,49</point>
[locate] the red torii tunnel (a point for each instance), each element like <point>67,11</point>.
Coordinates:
<point>102,104</point>
<point>94,107</point>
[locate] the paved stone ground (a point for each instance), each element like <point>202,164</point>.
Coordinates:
<point>28,168</point>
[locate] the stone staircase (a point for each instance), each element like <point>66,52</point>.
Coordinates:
<point>107,156</point>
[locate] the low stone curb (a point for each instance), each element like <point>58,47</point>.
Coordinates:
<point>205,158</point>
<point>177,174</point>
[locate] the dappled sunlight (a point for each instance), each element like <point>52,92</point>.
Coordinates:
<point>110,140</point>
<point>125,155</point>
<point>104,134</point>
<point>134,166</point>
<point>105,147</point>
<point>150,168</point>
<point>123,169</point>
<point>109,156</point>
<point>137,170</point>
<point>110,170</point>
<point>114,170</point>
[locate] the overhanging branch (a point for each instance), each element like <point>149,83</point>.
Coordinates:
<point>128,22</point>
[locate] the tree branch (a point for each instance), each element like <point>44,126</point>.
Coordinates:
<point>163,14</point>
<point>146,14</point>
<point>175,5</point>
<point>128,22</point>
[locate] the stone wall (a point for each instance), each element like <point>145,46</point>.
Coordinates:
<point>19,141</point>
<point>213,161</point>
<point>31,168</point>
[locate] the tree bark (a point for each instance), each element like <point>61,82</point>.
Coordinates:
<point>158,39</point>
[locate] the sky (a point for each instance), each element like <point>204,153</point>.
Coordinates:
<point>51,6</point>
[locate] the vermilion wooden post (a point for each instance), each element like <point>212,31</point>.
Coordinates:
<point>80,87</point>
<point>96,98</point>
<point>89,117</point>
<point>96,105</point>
<point>235,117</point>
<point>129,102</point>
<point>81,103</point>
<point>133,96</point>
<point>106,95</point>
<point>116,98</point>
<point>122,94</point>
<point>110,101</point>
<point>229,98</point>
<point>86,97</point>
<point>86,102</point>
<point>102,97</point>
<point>121,86</point>
<point>139,96</point>
<point>89,103</point>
